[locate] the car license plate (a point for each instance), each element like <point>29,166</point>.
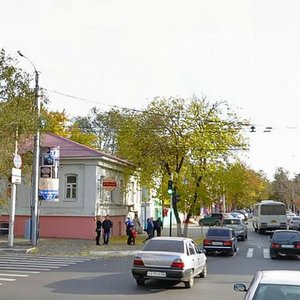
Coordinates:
<point>273,221</point>
<point>156,274</point>
<point>217,243</point>
<point>287,246</point>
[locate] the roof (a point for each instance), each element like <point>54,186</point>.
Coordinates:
<point>171,238</point>
<point>71,149</point>
<point>282,277</point>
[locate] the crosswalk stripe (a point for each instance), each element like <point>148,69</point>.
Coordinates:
<point>250,253</point>
<point>266,253</point>
<point>13,275</point>
<point>7,279</point>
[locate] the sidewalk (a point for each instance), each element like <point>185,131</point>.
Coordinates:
<point>74,247</point>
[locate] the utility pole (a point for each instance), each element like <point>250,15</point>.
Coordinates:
<point>36,161</point>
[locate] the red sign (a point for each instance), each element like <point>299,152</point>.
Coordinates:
<point>109,184</point>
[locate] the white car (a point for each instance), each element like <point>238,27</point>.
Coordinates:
<point>294,223</point>
<point>272,285</point>
<point>169,258</point>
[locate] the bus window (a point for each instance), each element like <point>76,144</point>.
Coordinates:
<point>273,210</point>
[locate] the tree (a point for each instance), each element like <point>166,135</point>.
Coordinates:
<point>179,137</point>
<point>18,115</point>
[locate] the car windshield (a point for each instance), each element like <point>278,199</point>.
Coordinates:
<point>164,246</point>
<point>277,292</point>
<point>218,232</point>
<point>294,236</point>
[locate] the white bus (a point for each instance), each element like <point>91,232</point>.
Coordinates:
<point>269,215</point>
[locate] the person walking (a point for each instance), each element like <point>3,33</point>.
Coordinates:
<point>107,224</point>
<point>149,229</point>
<point>137,223</point>
<point>158,225</point>
<point>98,229</point>
<point>129,224</point>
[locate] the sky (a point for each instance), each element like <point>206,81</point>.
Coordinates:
<point>123,53</point>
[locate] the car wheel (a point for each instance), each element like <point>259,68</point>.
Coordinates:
<point>243,238</point>
<point>140,281</point>
<point>217,223</point>
<point>188,284</point>
<point>203,274</point>
<point>231,252</point>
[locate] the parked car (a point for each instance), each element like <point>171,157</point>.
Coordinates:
<point>294,223</point>
<point>220,239</point>
<point>284,242</point>
<point>169,258</point>
<point>243,212</point>
<point>237,215</point>
<point>240,228</point>
<point>213,219</point>
<point>289,215</point>
<point>272,285</point>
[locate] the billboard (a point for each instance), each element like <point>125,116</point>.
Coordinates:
<point>48,179</point>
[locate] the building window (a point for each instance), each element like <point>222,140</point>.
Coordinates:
<point>71,187</point>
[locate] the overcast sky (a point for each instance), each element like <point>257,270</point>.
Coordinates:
<point>124,53</point>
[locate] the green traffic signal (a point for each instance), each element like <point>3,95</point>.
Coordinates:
<point>170,187</point>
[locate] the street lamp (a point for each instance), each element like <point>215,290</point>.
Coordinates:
<point>36,161</point>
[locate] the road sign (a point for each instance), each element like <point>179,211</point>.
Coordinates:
<point>109,184</point>
<point>15,175</point>
<point>17,161</point>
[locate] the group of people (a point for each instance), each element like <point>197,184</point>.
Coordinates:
<point>153,226</point>
<point>105,227</point>
<point>133,227</point>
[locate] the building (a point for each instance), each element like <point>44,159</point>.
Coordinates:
<point>91,183</point>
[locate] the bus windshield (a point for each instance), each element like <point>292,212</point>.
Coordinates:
<point>273,209</point>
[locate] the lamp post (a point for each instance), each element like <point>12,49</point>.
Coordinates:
<point>36,161</point>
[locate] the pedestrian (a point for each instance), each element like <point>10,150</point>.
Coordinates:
<point>98,229</point>
<point>128,224</point>
<point>158,226</point>
<point>149,229</point>
<point>133,235</point>
<point>107,224</point>
<point>137,223</point>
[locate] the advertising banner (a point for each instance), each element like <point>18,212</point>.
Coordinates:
<point>49,181</point>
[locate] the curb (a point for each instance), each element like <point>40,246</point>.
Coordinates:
<point>17,250</point>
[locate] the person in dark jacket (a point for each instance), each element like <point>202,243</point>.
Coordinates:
<point>98,229</point>
<point>149,229</point>
<point>106,225</point>
<point>158,225</point>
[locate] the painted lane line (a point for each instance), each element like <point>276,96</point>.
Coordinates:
<point>250,252</point>
<point>266,253</point>
<point>17,271</point>
<point>23,268</point>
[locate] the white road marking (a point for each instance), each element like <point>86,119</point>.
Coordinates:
<point>7,279</point>
<point>13,275</point>
<point>250,253</point>
<point>266,253</point>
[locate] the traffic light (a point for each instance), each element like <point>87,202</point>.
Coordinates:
<point>170,187</point>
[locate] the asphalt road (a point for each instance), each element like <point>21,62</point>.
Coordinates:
<point>99,278</point>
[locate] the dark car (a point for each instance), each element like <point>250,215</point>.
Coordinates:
<point>284,242</point>
<point>213,219</point>
<point>240,228</point>
<point>220,239</point>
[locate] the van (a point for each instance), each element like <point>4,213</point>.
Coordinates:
<point>269,215</point>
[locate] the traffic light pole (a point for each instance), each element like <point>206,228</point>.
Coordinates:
<point>171,208</point>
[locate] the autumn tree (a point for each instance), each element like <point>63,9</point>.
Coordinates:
<point>182,138</point>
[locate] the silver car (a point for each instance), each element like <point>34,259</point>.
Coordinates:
<point>169,258</point>
<point>294,223</point>
<point>272,285</point>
